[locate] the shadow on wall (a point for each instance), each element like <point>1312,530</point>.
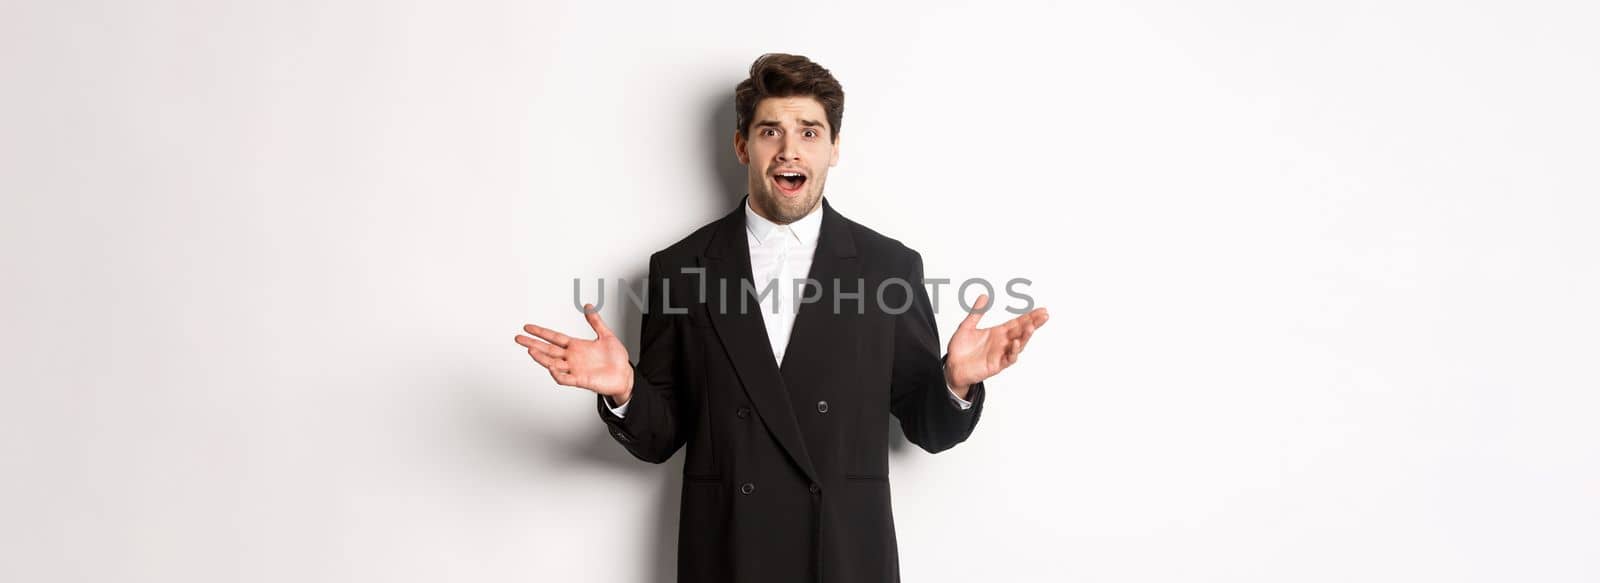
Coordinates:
<point>522,439</point>
<point>726,171</point>
<point>505,430</point>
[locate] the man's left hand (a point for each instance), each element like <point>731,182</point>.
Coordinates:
<point>975,355</point>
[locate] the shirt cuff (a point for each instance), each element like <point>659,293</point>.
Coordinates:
<point>621,411</point>
<point>959,402</point>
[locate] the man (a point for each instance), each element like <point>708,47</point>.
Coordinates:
<point>783,392</point>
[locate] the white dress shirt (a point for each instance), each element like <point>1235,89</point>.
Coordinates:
<point>782,254</point>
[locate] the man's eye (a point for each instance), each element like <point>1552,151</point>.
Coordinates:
<point>769,132</point>
<point>811,133</point>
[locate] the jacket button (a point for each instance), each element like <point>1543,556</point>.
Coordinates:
<point>822,406</point>
<point>747,488</point>
<point>743,412</point>
<point>815,488</point>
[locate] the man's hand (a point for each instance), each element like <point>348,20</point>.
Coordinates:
<point>599,365</point>
<point>975,355</point>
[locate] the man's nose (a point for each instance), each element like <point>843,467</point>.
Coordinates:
<point>790,152</point>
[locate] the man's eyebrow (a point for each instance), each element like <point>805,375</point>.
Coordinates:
<point>805,122</point>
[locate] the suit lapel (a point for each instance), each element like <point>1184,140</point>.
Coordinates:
<point>744,336</point>
<point>835,261</point>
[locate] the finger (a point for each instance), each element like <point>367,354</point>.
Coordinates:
<point>547,361</point>
<point>1034,318</point>
<point>1010,329</point>
<point>978,308</point>
<point>530,342</point>
<point>1027,333</point>
<point>599,325</point>
<point>550,350</point>
<point>1013,351</point>
<point>548,335</point>
<point>559,376</point>
<point>1022,326</point>
<point>1037,319</point>
<point>1039,316</point>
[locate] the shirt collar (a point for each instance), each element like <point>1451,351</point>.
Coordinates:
<point>804,231</point>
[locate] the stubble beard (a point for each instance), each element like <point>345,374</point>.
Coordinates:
<point>784,210</point>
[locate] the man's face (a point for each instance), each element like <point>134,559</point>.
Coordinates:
<point>788,154</point>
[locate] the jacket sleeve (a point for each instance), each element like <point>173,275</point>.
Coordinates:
<point>652,430</point>
<point>918,394</point>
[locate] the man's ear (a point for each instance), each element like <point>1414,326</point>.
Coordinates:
<point>738,148</point>
<point>835,159</point>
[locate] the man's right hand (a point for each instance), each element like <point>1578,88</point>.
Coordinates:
<point>600,365</point>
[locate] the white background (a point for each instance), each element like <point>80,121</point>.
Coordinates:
<point>1322,280</point>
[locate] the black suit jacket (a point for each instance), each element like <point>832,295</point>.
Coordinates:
<point>787,476</point>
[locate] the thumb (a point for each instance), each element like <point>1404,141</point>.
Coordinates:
<point>978,308</point>
<point>593,316</point>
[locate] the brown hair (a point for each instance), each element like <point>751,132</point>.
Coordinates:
<point>781,75</point>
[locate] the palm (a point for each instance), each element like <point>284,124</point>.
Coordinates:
<point>976,354</point>
<point>600,365</point>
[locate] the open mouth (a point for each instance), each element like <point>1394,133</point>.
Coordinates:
<point>789,182</point>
